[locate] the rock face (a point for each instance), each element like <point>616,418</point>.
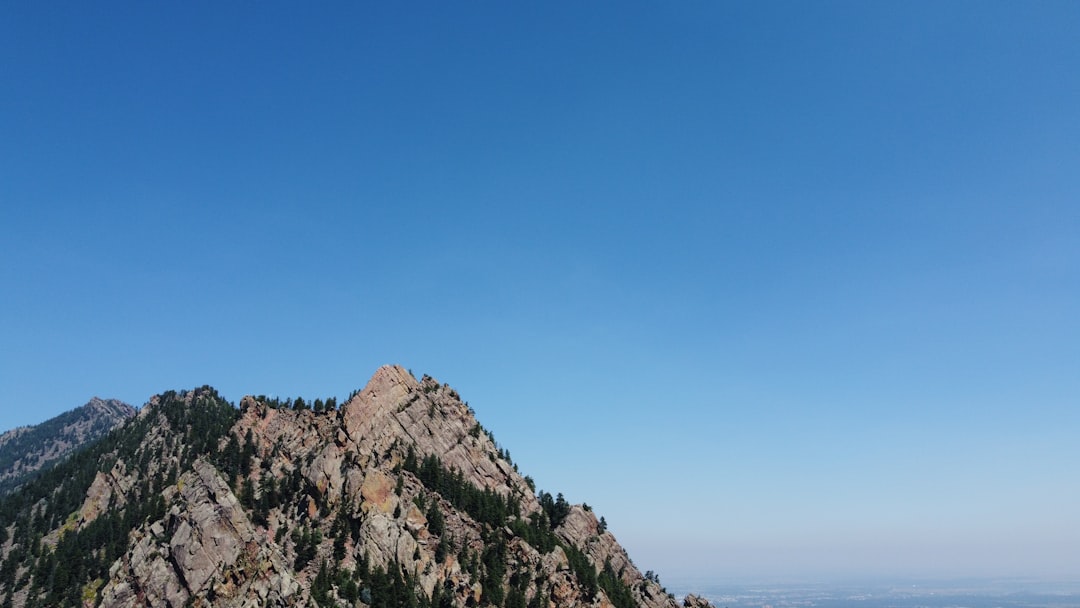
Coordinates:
<point>25,451</point>
<point>398,497</point>
<point>204,546</point>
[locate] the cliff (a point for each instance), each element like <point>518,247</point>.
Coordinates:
<point>397,498</point>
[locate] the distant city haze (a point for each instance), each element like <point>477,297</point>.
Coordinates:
<point>842,562</point>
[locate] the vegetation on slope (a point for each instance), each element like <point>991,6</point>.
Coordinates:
<point>56,559</point>
<point>48,441</point>
<point>58,571</point>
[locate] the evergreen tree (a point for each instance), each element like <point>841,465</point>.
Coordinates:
<point>435,519</point>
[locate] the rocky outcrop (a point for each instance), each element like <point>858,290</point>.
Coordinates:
<point>582,529</point>
<point>395,409</point>
<point>206,547</point>
<point>109,490</point>
<point>401,491</point>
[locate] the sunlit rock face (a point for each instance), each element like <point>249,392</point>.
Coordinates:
<point>399,495</point>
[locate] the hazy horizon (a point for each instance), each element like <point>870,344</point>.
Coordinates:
<point>774,287</point>
<point>690,567</point>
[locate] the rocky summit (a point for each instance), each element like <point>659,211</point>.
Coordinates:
<point>397,498</point>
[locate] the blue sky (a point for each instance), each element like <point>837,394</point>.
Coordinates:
<point>784,290</point>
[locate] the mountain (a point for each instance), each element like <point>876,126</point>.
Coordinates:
<point>27,450</point>
<point>397,499</point>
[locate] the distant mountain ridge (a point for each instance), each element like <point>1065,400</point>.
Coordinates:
<point>28,450</point>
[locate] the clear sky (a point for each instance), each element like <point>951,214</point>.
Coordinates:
<point>783,290</point>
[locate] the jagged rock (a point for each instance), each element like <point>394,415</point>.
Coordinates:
<point>213,547</point>
<point>377,492</point>
<point>255,526</point>
<point>416,523</point>
<point>212,531</point>
<point>696,601</point>
<point>97,499</point>
<point>582,529</point>
<point>325,470</point>
<point>386,540</point>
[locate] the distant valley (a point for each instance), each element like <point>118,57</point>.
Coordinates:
<point>908,594</point>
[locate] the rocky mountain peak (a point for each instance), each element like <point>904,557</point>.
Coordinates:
<point>110,407</point>
<point>389,387</point>
<point>398,498</point>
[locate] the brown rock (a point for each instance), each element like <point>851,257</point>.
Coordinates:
<point>208,551</point>
<point>97,499</point>
<point>211,548</point>
<point>378,492</point>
